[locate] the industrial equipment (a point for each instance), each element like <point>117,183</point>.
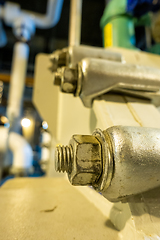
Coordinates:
<point>119,162</point>
<point>24,24</point>
<point>108,102</point>
<point>129,79</point>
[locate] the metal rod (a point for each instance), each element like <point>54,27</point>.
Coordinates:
<point>75,22</point>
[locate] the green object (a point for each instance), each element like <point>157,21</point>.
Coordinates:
<point>155,49</point>
<point>117,26</point>
<point>145,20</point>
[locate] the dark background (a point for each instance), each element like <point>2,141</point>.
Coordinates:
<point>57,37</point>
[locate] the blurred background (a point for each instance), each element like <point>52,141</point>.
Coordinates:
<point>135,25</point>
<point>33,128</point>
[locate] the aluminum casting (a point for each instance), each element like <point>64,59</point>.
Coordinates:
<point>118,162</point>
<point>72,55</point>
<point>98,76</point>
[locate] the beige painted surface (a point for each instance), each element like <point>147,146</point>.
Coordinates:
<point>45,95</point>
<point>46,209</point>
<point>64,113</point>
<point>140,219</point>
<point>139,57</point>
<point>145,113</point>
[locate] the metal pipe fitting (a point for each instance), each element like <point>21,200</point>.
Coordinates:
<point>96,77</point>
<point>74,54</point>
<point>118,162</point>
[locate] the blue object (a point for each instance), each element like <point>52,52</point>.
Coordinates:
<point>3,37</point>
<point>6,179</point>
<point>140,7</point>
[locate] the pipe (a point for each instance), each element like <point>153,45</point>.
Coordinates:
<point>17,84</point>
<point>11,12</point>
<point>1,11</point>
<point>75,22</point>
<point>54,8</point>
<point>22,153</point>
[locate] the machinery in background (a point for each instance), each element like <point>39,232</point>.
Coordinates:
<point>117,26</point>
<point>132,24</point>
<point>116,88</point>
<point>23,24</point>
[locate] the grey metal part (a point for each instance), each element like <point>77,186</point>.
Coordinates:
<point>76,53</point>
<point>107,160</point>
<point>101,76</point>
<point>75,22</point>
<point>58,59</point>
<point>136,155</point>
<point>81,160</point>
<point>72,55</point>
<point>119,162</point>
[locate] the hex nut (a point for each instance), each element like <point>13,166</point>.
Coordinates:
<point>86,164</point>
<point>69,80</point>
<point>58,59</point>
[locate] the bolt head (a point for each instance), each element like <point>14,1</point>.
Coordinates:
<point>87,160</point>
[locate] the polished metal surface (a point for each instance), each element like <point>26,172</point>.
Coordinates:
<point>118,162</point>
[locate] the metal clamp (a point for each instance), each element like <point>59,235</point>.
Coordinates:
<point>69,57</point>
<point>118,162</point>
<point>95,77</point>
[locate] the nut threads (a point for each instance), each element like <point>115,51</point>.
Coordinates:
<point>63,158</point>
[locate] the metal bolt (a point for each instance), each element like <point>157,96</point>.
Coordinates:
<point>64,158</point>
<point>81,159</point>
<point>66,78</point>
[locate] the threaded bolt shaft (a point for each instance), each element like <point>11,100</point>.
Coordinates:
<point>63,158</point>
<point>57,78</point>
